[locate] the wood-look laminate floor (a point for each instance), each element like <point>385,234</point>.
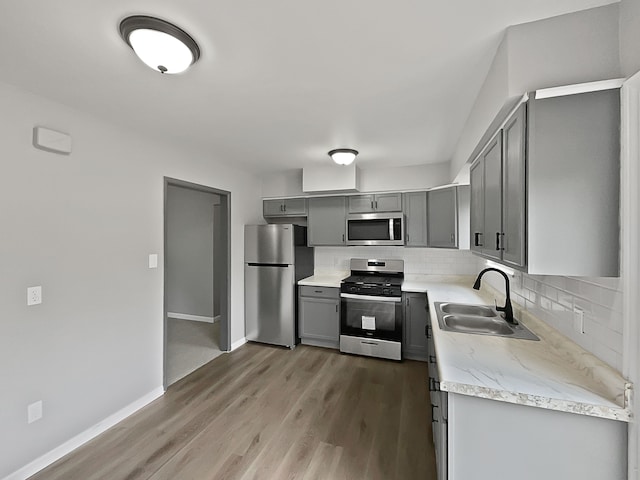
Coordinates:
<point>267,413</point>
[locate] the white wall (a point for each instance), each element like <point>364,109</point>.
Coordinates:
<point>289,183</point>
<point>82,226</point>
<point>630,36</point>
<point>573,48</point>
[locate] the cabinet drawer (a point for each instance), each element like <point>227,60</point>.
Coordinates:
<point>319,292</point>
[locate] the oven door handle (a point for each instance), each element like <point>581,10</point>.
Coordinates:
<point>351,296</point>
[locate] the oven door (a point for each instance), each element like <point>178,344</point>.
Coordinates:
<point>371,317</point>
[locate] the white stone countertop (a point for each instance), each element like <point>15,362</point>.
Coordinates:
<point>324,279</point>
<point>553,373</point>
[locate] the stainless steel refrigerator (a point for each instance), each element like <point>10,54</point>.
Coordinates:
<point>276,256</point>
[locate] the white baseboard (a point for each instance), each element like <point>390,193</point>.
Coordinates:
<point>238,344</point>
<point>195,318</point>
<point>82,438</point>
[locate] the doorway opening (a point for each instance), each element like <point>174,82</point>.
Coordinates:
<point>196,276</point>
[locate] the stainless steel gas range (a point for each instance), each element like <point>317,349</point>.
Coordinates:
<point>371,308</point>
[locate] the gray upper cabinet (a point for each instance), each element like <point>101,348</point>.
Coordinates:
<point>442,218</point>
<point>388,202</point>
<point>498,195</point>
<point>415,210</point>
<point>327,221</point>
<point>573,184</point>
<point>545,190</point>
<point>514,189</point>
<point>285,207</point>
<point>492,159</point>
<point>382,202</point>
<point>477,206</point>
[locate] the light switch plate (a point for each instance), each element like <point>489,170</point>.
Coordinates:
<point>153,260</point>
<point>34,411</point>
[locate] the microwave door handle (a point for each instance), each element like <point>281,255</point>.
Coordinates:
<point>391,237</point>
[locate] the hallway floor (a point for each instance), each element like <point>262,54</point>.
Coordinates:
<point>190,345</point>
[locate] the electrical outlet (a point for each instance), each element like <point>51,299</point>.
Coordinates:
<point>578,319</point>
<point>34,411</point>
<point>34,295</point>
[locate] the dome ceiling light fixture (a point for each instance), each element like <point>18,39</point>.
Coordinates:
<point>343,156</point>
<point>160,45</point>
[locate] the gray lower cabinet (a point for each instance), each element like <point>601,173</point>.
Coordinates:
<point>416,316</point>
<point>566,445</point>
<point>326,221</point>
<point>285,207</point>
<point>415,211</point>
<point>319,316</point>
<point>442,218</point>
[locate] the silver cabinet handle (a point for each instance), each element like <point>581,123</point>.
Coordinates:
<point>453,237</point>
<point>371,204</point>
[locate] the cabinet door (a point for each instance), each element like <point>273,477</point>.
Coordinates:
<point>361,204</point>
<point>442,218</point>
<point>415,322</point>
<point>327,221</point>
<point>295,207</point>
<point>272,208</point>
<point>477,206</point>
<point>319,319</point>
<point>492,158</point>
<point>514,190</point>
<point>415,210</point>
<point>388,202</point>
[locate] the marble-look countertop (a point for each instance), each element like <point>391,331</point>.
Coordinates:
<point>553,373</point>
<point>324,279</point>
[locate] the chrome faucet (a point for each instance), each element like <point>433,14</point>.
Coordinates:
<point>507,309</point>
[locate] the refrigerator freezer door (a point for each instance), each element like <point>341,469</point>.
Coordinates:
<point>268,244</point>
<point>270,304</point>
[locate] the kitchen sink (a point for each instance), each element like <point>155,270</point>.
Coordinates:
<point>464,309</point>
<point>478,320</point>
<point>476,324</point>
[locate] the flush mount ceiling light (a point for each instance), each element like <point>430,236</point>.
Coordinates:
<point>159,44</point>
<point>343,156</point>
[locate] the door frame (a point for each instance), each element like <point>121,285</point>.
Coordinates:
<point>630,260</point>
<point>225,294</point>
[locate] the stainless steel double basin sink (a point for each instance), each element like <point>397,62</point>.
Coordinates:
<point>479,320</point>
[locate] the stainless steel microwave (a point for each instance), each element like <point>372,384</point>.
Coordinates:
<point>375,229</point>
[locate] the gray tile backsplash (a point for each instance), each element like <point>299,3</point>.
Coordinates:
<point>553,299</point>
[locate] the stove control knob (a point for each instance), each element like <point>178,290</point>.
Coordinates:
<point>386,291</point>
<point>353,289</point>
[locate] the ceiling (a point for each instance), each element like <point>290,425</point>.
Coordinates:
<point>279,83</point>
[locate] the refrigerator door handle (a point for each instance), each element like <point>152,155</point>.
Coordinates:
<point>280,265</point>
